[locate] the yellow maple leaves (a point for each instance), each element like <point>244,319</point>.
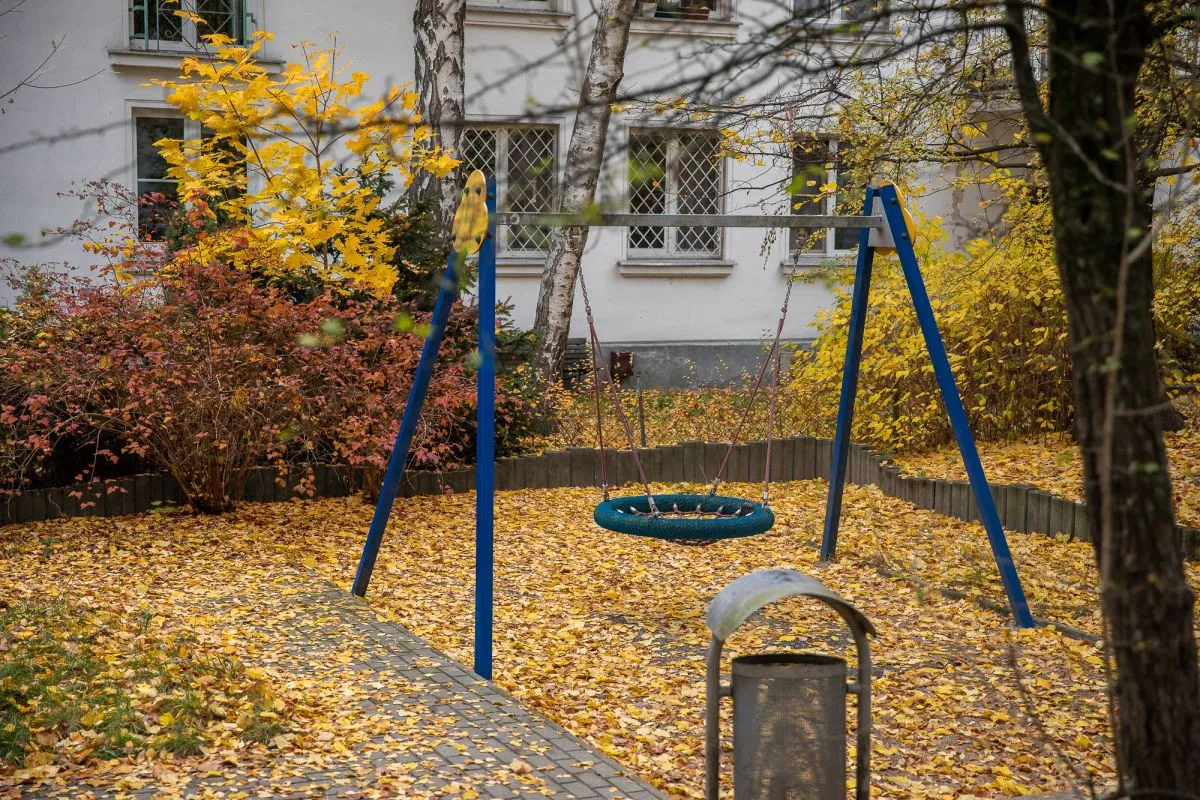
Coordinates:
<point>290,168</point>
<point>604,634</point>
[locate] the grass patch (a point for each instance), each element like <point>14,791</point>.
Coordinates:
<point>78,686</point>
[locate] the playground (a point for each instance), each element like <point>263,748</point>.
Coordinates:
<point>603,634</point>
<point>188,656</point>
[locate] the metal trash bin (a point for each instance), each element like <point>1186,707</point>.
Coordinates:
<point>789,726</point>
<point>789,709</point>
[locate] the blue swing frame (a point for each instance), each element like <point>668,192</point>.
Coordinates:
<point>486,419</point>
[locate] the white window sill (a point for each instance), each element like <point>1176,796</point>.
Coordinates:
<point>675,267</point>
<point>519,267</point>
<point>169,59</point>
<point>495,16</point>
<point>816,260</point>
<point>838,31</point>
<point>688,28</point>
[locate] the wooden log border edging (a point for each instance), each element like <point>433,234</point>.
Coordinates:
<point>1022,508</point>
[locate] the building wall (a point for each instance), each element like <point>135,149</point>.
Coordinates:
<point>517,66</point>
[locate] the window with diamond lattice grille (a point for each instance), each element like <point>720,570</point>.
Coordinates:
<point>817,163</point>
<point>524,160</point>
<point>676,172</point>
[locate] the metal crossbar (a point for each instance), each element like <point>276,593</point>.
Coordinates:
<point>622,220</point>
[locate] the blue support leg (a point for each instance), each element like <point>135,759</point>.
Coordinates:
<point>408,424</point>
<point>845,418</point>
<point>485,445</point>
<point>955,409</point>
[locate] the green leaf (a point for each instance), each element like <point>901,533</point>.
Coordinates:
<point>334,329</point>
<point>1092,59</point>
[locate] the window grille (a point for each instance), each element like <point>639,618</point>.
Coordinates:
<point>834,10</point>
<point>524,159</point>
<point>817,163</point>
<point>157,24</point>
<point>677,172</point>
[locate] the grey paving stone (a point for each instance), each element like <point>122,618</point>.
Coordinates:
<point>491,727</point>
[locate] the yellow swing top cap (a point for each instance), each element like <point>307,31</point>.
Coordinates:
<point>471,216</point>
<point>908,220</point>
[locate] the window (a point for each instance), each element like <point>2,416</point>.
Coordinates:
<point>157,24</point>
<point>534,5</point>
<point>834,10</point>
<point>696,10</point>
<point>524,159</point>
<point>817,163</point>
<point>676,172</point>
<point>156,192</point>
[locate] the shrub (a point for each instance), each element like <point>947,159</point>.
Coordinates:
<point>206,373</point>
<point>1001,314</point>
<point>190,370</point>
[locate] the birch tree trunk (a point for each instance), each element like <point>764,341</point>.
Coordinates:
<point>585,157</point>
<point>438,25</point>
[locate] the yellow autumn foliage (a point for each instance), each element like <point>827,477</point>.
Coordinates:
<point>284,170</point>
<point>999,307</point>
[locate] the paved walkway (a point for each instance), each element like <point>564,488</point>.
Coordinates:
<point>466,738</point>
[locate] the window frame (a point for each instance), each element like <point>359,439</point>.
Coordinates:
<point>514,5</point>
<point>191,130</point>
<point>502,129</point>
<point>670,251</point>
<point>829,205</point>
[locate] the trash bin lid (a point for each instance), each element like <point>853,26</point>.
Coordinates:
<point>741,598</point>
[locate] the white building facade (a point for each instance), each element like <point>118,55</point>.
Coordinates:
<point>698,296</point>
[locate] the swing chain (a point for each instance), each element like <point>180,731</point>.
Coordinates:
<point>772,355</point>
<point>616,394</point>
<point>771,430</point>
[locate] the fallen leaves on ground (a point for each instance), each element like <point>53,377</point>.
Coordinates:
<point>605,633</point>
<point>1049,462</point>
<point>1052,463</point>
<point>79,684</point>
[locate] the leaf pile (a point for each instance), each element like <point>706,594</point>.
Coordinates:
<point>605,633</point>
<point>1051,463</point>
<point>79,684</point>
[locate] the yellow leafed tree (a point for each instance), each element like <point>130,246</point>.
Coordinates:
<point>284,179</point>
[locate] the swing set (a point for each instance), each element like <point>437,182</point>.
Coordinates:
<point>700,518</point>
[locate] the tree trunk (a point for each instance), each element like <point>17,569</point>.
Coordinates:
<point>438,25</point>
<point>585,157</point>
<point>1102,203</point>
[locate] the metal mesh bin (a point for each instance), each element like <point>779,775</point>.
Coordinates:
<point>789,727</point>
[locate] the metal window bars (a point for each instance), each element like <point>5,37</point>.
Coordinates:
<point>524,160</point>
<point>675,173</point>
<point>164,25</point>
